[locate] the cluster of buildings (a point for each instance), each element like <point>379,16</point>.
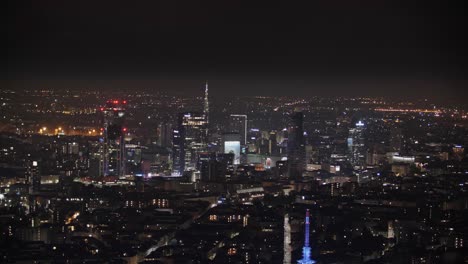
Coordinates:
<point>244,180</point>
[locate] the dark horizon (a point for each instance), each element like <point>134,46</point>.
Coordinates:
<point>416,90</point>
<point>325,48</point>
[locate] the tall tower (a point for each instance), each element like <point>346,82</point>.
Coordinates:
<point>33,176</point>
<point>178,155</point>
<point>165,135</point>
<point>206,105</point>
<point>356,146</point>
<point>188,141</point>
<point>238,124</point>
<point>296,146</point>
<point>114,133</point>
<point>33,179</point>
<point>306,250</point>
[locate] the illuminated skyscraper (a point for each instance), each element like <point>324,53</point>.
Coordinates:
<point>206,104</point>
<point>189,140</point>
<point>296,146</point>
<point>356,147</point>
<point>190,137</point>
<point>206,113</point>
<point>178,164</point>
<point>33,176</point>
<point>306,250</point>
<point>114,132</point>
<point>33,179</point>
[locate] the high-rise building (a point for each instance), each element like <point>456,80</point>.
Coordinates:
<point>114,132</point>
<point>165,135</point>
<point>33,177</point>
<point>396,138</point>
<point>133,156</point>
<point>273,144</point>
<point>96,159</point>
<point>238,124</point>
<point>178,156</point>
<point>209,170</point>
<point>356,147</point>
<point>296,146</point>
<point>95,169</point>
<point>189,140</point>
<point>306,250</point>
<point>206,109</point>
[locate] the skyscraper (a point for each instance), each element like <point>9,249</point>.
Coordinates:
<point>178,156</point>
<point>208,167</point>
<point>238,124</point>
<point>114,132</point>
<point>165,135</point>
<point>33,176</point>
<point>206,108</point>
<point>296,146</point>
<point>356,147</point>
<point>190,137</point>
<point>189,140</point>
<point>306,250</point>
<point>395,138</point>
<point>33,179</point>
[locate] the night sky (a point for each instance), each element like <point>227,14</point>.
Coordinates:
<point>329,47</point>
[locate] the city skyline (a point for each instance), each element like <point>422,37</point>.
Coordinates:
<point>147,177</point>
<point>214,132</point>
<point>437,92</point>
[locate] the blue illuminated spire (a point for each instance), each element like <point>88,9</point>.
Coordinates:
<point>306,250</point>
